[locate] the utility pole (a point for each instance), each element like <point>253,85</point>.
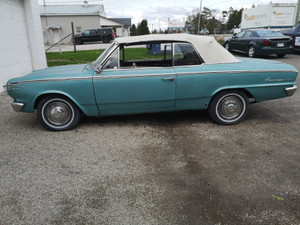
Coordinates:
<point>200,17</point>
<point>297,13</point>
<point>73,36</point>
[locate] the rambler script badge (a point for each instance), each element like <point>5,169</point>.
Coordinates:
<point>277,80</point>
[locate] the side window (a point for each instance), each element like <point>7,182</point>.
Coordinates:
<point>92,32</point>
<point>241,34</point>
<point>153,54</point>
<point>86,32</point>
<point>248,34</point>
<point>185,54</point>
<point>113,61</point>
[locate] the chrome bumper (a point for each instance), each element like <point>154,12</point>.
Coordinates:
<point>17,106</point>
<point>291,90</point>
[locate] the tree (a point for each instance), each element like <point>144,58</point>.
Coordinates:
<point>207,20</point>
<point>143,28</point>
<point>235,17</point>
<point>154,31</point>
<point>133,30</point>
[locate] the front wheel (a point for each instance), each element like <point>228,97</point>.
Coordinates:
<point>228,107</point>
<point>226,46</point>
<point>57,113</point>
<point>78,42</point>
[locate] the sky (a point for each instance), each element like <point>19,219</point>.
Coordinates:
<point>157,12</point>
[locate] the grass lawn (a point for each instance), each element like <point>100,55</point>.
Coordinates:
<point>79,57</point>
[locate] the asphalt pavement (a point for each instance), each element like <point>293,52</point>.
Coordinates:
<point>166,168</point>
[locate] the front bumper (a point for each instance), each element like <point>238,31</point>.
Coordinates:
<point>17,106</point>
<point>291,90</point>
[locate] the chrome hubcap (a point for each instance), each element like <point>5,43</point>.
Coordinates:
<point>58,113</point>
<point>251,52</point>
<point>230,107</point>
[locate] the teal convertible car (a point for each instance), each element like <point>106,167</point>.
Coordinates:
<point>152,73</point>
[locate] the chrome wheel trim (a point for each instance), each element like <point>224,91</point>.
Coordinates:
<point>58,113</point>
<point>227,46</point>
<point>230,107</point>
<point>251,51</point>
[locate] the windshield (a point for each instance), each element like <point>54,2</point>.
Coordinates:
<point>97,63</point>
<point>268,33</point>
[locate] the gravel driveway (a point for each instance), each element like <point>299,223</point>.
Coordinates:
<point>170,168</point>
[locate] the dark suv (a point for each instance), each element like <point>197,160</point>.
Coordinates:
<point>104,34</point>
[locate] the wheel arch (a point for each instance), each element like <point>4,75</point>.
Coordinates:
<point>58,94</point>
<point>252,43</point>
<point>248,93</point>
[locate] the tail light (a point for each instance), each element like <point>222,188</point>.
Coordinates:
<point>266,42</point>
<point>293,41</point>
<point>112,35</point>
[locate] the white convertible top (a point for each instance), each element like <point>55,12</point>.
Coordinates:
<point>209,49</point>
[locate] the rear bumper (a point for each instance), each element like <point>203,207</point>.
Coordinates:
<point>17,106</point>
<point>270,50</point>
<point>291,90</point>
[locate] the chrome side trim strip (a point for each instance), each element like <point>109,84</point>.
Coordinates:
<point>133,76</point>
<point>235,71</point>
<point>56,79</point>
<point>103,76</point>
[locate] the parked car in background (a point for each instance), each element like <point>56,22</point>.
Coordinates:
<point>191,73</point>
<point>260,42</point>
<point>104,34</point>
<point>295,34</point>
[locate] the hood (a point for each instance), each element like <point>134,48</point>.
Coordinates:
<point>59,72</point>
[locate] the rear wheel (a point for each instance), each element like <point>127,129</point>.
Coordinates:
<point>280,55</point>
<point>228,107</point>
<point>251,51</point>
<point>105,40</point>
<point>57,113</point>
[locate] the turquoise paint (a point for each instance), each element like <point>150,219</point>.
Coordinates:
<point>138,90</point>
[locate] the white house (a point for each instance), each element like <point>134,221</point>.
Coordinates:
<point>56,21</point>
<point>22,48</point>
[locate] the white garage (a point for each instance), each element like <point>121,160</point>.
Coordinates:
<point>21,48</point>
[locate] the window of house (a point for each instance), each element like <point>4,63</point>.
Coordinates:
<point>78,29</point>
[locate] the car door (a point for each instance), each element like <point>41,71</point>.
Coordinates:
<point>245,41</point>
<point>92,35</point>
<point>133,90</point>
<point>190,88</point>
<point>236,41</point>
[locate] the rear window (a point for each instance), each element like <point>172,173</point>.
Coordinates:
<point>268,33</point>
